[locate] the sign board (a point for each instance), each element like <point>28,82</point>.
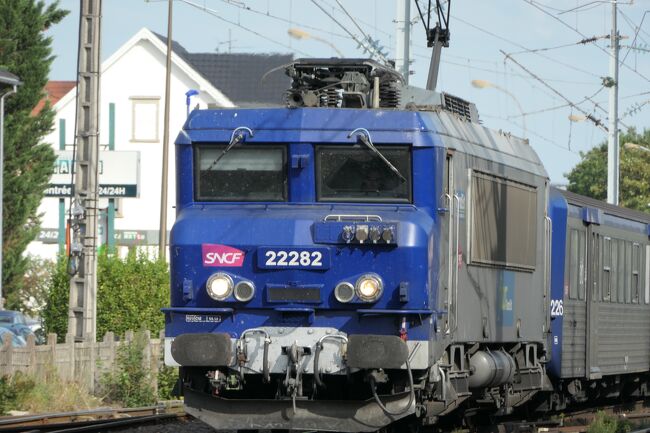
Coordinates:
<point>121,237</point>
<point>119,174</point>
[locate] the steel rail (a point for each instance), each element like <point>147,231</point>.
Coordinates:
<point>89,420</point>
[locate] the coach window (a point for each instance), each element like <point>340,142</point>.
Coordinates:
<point>621,272</point>
<point>574,248</point>
<point>628,272</point>
<point>614,280</point>
<point>504,222</point>
<point>636,266</point>
<point>607,268</point>
<point>582,265</point>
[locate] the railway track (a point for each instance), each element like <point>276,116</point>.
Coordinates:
<point>94,420</point>
<point>637,413</point>
<point>172,413</point>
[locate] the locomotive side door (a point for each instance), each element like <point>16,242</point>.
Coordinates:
<point>594,260</point>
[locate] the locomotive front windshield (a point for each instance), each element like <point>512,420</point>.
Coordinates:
<point>250,173</point>
<point>357,174</point>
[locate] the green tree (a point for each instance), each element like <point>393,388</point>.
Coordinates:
<point>26,52</point>
<point>589,176</point>
<point>130,294</point>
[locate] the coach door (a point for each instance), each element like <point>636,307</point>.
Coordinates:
<point>594,259</point>
<point>574,358</point>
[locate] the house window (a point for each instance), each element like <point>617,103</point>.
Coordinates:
<point>144,119</point>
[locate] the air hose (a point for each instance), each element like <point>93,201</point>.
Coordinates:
<point>373,388</point>
<point>265,360</point>
<point>319,348</point>
<point>319,382</point>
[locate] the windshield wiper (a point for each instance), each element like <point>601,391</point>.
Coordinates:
<point>364,136</point>
<point>236,138</point>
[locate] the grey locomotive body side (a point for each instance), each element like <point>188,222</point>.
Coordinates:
<point>493,297</point>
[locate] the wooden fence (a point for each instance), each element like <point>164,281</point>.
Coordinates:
<point>83,363</point>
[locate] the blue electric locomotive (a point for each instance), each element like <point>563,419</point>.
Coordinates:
<point>369,253</point>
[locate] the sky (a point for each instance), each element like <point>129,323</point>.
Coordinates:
<point>542,35</point>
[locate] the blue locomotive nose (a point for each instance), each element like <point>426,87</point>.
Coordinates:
<point>270,257</point>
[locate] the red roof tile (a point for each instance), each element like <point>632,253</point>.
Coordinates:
<point>54,90</point>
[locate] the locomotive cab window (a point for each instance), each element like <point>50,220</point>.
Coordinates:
<point>504,222</point>
<point>355,173</point>
<point>247,173</point>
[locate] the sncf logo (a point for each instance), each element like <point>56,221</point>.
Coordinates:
<point>222,255</point>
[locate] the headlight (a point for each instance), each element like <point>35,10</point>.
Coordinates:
<point>369,287</point>
<point>219,286</point>
<point>344,292</point>
<point>244,291</point>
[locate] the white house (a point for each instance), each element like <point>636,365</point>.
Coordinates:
<point>133,82</point>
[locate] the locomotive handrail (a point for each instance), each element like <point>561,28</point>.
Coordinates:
<point>343,217</point>
<point>547,271</point>
<point>450,267</point>
<point>196,310</point>
<point>366,311</point>
<point>457,241</point>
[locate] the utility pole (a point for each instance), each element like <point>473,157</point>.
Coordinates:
<point>83,259</point>
<point>612,142</point>
<point>403,38</point>
<point>162,238</point>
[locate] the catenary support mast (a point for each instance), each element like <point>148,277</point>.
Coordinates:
<point>83,251</point>
<point>403,38</point>
<point>612,142</point>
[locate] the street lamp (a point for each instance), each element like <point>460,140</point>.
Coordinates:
<point>484,84</point>
<point>577,118</point>
<point>9,85</point>
<point>301,34</point>
<point>634,146</point>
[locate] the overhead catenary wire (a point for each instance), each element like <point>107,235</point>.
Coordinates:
<point>635,108</point>
<point>557,107</point>
<point>636,29</point>
<point>354,21</point>
<point>593,119</point>
<point>580,42</point>
<point>597,106</point>
<point>529,132</point>
<point>219,17</point>
<point>494,71</point>
<point>366,36</point>
<point>243,6</point>
<point>583,7</point>
<point>511,42</point>
<point>536,6</point>
<point>352,35</point>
